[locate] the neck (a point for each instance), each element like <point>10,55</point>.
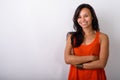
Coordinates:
<point>88,32</point>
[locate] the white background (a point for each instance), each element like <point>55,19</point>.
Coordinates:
<point>33,36</point>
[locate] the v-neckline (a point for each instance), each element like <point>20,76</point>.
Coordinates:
<point>96,34</point>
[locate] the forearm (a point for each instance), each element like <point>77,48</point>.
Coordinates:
<point>72,59</point>
<point>98,64</point>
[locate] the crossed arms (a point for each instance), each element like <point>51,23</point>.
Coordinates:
<point>89,62</point>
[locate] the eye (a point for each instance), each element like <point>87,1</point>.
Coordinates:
<point>79,16</point>
<point>86,16</point>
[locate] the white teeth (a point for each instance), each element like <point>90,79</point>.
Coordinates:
<point>83,23</point>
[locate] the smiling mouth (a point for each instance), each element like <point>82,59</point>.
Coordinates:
<point>84,23</point>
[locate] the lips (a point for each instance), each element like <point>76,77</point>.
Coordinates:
<point>84,23</point>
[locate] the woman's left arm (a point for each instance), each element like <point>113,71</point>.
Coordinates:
<point>103,57</point>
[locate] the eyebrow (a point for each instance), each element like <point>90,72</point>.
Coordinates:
<point>83,14</point>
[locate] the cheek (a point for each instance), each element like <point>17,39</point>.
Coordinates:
<point>78,20</point>
<point>89,19</point>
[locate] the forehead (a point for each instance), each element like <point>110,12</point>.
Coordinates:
<point>85,11</point>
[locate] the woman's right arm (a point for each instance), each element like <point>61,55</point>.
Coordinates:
<point>73,59</point>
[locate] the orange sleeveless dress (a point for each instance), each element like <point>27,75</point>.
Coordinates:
<point>87,74</point>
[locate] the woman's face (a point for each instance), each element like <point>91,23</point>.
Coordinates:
<point>85,18</point>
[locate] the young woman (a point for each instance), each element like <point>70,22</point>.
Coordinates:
<point>87,48</point>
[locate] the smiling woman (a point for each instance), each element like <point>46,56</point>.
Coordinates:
<point>87,48</point>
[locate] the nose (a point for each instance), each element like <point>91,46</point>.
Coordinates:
<point>82,19</point>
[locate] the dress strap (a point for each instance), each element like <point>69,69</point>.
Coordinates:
<point>98,36</point>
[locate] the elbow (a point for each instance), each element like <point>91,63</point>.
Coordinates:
<point>102,65</point>
<point>67,60</point>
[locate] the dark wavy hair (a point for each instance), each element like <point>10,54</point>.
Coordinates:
<point>78,36</point>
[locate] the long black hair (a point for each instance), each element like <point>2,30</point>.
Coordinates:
<point>78,36</point>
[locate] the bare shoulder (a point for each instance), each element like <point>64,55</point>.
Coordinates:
<point>69,36</point>
<point>68,41</point>
<point>103,36</point>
